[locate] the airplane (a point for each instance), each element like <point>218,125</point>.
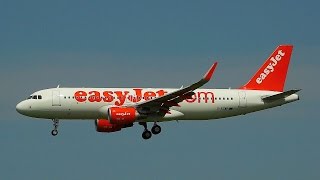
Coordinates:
<point>114,109</point>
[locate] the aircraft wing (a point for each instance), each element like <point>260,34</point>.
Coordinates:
<point>173,98</point>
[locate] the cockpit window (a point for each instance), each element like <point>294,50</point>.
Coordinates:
<point>35,97</point>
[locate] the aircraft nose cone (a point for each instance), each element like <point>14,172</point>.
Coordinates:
<point>21,108</point>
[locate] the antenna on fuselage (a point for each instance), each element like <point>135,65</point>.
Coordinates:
<point>58,86</point>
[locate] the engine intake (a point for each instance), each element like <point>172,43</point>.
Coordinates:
<point>104,125</point>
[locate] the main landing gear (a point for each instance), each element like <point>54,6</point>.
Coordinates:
<point>54,132</point>
<point>156,129</point>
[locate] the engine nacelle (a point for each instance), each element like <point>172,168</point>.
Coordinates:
<point>104,125</point>
<point>122,115</point>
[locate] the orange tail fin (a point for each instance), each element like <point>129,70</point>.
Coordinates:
<point>272,74</point>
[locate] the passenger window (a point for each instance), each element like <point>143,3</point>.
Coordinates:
<point>34,97</point>
<point>39,97</point>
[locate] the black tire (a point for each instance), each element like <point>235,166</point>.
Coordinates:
<point>156,129</point>
<point>146,134</point>
<point>54,132</point>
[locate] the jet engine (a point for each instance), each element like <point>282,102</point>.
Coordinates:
<point>104,125</point>
<point>122,115</point>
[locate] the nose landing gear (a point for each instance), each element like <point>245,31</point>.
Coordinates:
<point>54,132</point>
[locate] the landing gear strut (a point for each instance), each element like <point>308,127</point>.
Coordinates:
<point>54,132</point>
<point>146,133</point>
<point>156,129</point>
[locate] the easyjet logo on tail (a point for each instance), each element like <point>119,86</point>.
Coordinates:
<point>270,67</point>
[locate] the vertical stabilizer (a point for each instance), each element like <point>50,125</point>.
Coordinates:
<point>272,74</point>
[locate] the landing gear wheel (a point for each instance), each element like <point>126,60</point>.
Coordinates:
<point>54,132</point>
<point>146,134</point>
<point>156,129</point>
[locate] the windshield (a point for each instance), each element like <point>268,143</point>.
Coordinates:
<point>35,97</point>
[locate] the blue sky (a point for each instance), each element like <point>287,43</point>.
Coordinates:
<point>158,44</point>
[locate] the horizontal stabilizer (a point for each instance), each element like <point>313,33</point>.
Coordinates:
<point>280,95</point>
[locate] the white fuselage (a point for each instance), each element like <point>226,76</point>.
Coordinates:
<point>90,103</point>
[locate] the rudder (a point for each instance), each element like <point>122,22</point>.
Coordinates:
<point>272,74</point>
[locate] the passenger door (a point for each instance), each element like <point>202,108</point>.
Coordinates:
<point>56,98</point>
